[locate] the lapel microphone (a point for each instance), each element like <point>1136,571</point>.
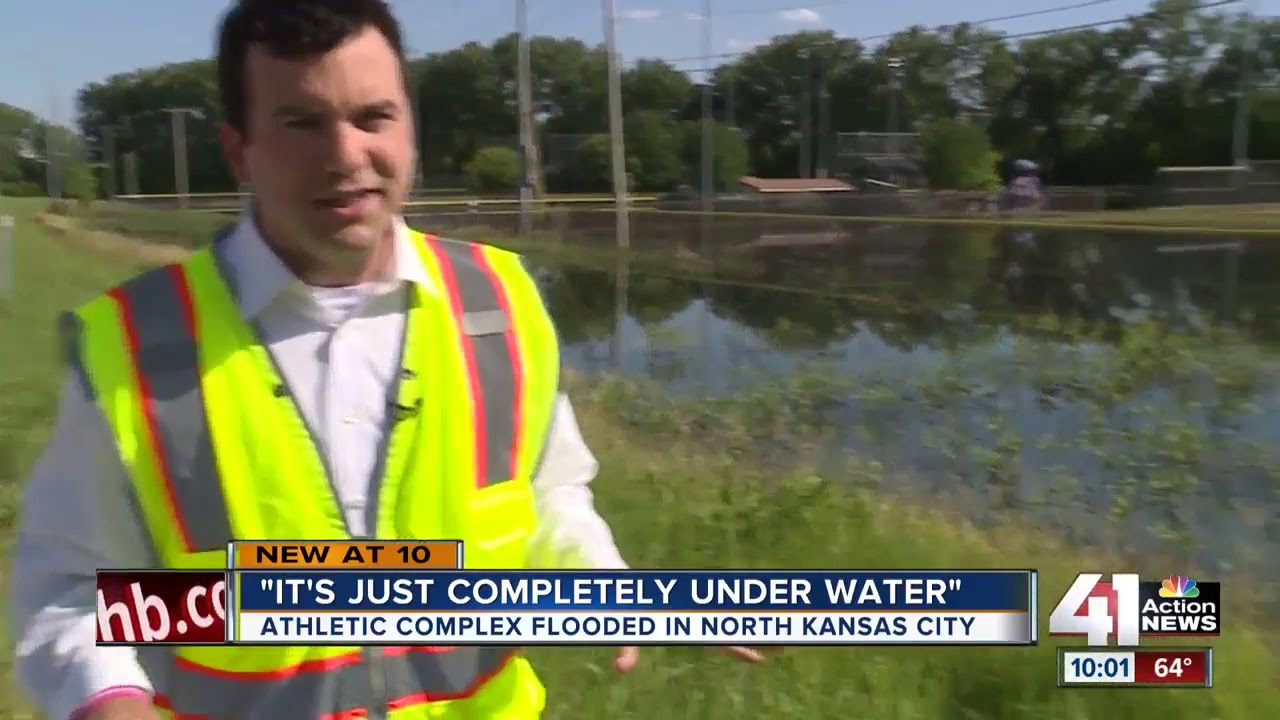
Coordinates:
<point>404,412</point>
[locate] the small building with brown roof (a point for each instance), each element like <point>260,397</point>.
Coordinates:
<point>789,186</point>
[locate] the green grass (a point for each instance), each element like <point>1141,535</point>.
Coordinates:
<point>1259,220</point>
<point>675,499</point>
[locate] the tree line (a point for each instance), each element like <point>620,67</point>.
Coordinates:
<point>1095,105</point>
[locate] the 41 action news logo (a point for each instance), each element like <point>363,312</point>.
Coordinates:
<point>1127,608</point>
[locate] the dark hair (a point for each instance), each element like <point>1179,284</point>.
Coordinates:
<point>290,29</point>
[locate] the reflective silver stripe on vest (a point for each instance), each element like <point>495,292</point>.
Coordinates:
<point>155,308</point>
<point>310,693</point>
<point>419,677</point>
<point>413,678</point>
<point>478,299</point>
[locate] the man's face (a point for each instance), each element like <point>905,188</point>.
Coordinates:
<point>329,148</point>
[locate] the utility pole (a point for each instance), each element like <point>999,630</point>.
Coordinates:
<point>708,120</point>
<point>824,118</point>
<point>730,116</point>
<point>109,161</point>
<point>615,125</point>
<point>1240,133</point>
<point>52,151</point>
<point>806,120</point>
<point>413,89</point>
<point>528,147</point>
<point>895,69</point>
<point>131,184</point>
<point>180,172</point>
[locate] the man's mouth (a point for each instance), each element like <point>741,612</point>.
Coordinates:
<point>349,198</point>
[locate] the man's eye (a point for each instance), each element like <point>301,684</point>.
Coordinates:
<point>374,120</point>
<point>302,123</point>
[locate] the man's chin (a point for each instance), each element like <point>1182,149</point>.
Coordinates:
<point>354,235</point>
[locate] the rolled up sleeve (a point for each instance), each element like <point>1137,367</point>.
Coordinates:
<point>76,517</point>
<point>571,533</point>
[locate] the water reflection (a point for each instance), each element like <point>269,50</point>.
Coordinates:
<point>1076,374</point>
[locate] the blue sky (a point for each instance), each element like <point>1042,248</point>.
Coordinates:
<point>50,48</point>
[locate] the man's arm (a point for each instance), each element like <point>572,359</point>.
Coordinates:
<point>76,518</point>
<point>571,534</point>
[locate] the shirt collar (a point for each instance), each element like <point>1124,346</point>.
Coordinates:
<point>259,275</point>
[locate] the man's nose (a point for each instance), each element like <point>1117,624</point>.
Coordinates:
<point>346,149</point>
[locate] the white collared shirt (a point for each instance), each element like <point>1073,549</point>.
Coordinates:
<point>337,349</point>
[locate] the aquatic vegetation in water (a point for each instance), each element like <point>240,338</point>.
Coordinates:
<point>1156,430</point>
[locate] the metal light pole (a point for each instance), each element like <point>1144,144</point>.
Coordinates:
<point>895,70</point>
<point>52,152</point>
<point>181,177</point>
<point>109,161</point>
<point>824,119</point>
<point>708,130</point>
<point>806,119</point>
<point>528,153</point>
<point>129,162</point>
<point>1240,133</point>
<point>615,125</point>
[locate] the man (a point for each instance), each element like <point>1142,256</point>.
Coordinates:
<point>321,372</point>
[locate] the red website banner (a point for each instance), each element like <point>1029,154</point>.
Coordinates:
<point>175,607</point>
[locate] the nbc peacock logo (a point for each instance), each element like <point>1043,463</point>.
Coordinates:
<point>1179,586</point>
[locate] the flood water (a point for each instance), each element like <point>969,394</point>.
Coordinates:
<point>1125,383</point>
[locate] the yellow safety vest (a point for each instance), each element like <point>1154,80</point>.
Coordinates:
<point>217,450</point>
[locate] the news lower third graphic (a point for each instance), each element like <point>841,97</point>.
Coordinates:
<point>382,593</point>
<point>1127,609</point>
<point>634,607</point>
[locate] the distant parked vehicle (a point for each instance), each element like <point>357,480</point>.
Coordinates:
<point>1025,191</point>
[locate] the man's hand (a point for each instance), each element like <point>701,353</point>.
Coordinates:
<point>122,708</point>
<point>629,656</point>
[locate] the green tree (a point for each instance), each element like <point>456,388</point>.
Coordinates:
<point>958,156</point>
<point>655,85</point>
<point>494,170</point>
<point>463,106</point>
<point>591,167</point>
<point>653,155</point>
<point>1103,105</point>
<point>132,106</point>
<point>80,182</point>
<point>731,161</point>
<point>21,172</point>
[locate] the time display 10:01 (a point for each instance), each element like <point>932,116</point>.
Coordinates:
<point>1112,667</point>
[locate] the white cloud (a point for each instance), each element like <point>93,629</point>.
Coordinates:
<point>800,15</point>
<point>693,17</point>
<point>640,15</point>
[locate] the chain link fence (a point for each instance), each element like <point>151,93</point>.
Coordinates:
<point>874,143</point>
<point>559,149</point>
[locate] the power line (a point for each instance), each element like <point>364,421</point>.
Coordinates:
<point>773,10</point>
<point>1001,38</point>
<point>650,15</point>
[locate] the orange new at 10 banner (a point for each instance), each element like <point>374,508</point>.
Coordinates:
<point>350,554</point>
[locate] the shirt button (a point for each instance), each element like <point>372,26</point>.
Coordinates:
<point>351,419</point>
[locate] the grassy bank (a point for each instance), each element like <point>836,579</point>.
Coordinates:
<point>1230,220</point>
<point>677,496</point>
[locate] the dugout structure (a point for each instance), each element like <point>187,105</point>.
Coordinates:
<point>1215,185</point>
<point>880,160</point>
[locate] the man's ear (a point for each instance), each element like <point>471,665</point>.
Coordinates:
<point>233,147</point>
